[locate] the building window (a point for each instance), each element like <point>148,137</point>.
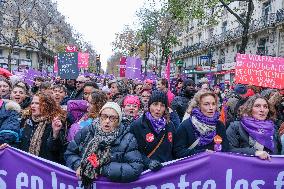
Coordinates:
<point>261,49</point>
<point>199,37</point>
<point>224,27</point>
<point>28,55</point>
<point>16,52</point>
<point>210,33</point>
<point>266,8</point>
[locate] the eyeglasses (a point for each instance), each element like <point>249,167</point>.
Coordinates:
<point>112,118</point>
<point>80,82</point>
<point>145,96</point>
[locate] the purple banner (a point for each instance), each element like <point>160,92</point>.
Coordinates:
<point>133,68</point>
<point>206,170</point>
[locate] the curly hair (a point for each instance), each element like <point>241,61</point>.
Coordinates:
<point>246,108</point>
<point>195,102</point>
<point>99,99</point>
<point>48,108</point>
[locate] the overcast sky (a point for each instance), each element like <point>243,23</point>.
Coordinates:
<point>99,20</point>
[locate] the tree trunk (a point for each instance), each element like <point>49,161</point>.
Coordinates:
<point>244,43</point>
<point>10,59</point>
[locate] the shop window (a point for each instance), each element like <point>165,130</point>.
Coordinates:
<point>28,55</point>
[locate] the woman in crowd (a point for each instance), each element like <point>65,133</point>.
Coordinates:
<point>202,130</point>
<point>131,107</point>
<point>20,95</point>
<point>5,88</point>
<point>254,133</point>
<point>145,96</point>
<point>59,94</point>
<point>37,83</point>
<point>105,148</point>
<point>155,132</point>
<point>88,89</point>
<point>96,101</point>
<point>43,129</point>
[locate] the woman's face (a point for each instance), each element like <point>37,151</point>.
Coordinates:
<point>4,88</point>
<point>138,89</point>
<point>35,106</point>
<point>260,109</point>
<point>87,91</point>
<point>208,105</point>
<point>131,109</point>
<point>145,97</point>
<point>108,120</point>
<point>157,109</point>
<point>18,95</point>
<point>58,95</point>
<point>113,88</point>
<point>180,84</point>
<point>216,90</point>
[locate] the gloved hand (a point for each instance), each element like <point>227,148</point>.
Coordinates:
<point>155,165</point>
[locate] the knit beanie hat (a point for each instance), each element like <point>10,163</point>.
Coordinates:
<point>240,89</point>
<point>158,96</point>
<point>131,99</point>
<point>115,106</point>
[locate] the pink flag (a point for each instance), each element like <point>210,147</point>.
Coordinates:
<point>168,69</point>
<point>55,66</point>
<point>83,60</point>
<point>71,48</point>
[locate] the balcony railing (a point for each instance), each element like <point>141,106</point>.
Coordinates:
<point>256,25</point>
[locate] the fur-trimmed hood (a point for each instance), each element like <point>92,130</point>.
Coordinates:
<point>11,105</point>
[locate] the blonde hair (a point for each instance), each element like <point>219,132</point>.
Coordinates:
<point>195,101</point>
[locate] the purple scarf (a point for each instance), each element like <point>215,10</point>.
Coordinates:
<point>208,137</point>
<point>261,131</point>
<point>157,124</point>
<point>203,118</point>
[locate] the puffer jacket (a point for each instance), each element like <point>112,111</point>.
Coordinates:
<point>9,122</point>
<point>126,161</point>
<point>240,142</point>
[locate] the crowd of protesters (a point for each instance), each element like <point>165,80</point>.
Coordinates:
<point>119,128</point>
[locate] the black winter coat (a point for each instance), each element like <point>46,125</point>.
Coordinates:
<point>186,137</point>
<point>126,161</point>
<point>51,149</point>
<point>148,139</point>
<point>239,140</point>
<point>180,104</point>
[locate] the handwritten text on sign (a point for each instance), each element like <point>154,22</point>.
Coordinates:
<point>68,65</point>
<point>258,70</point>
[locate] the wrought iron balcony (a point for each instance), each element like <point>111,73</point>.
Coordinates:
<point>265,22</point>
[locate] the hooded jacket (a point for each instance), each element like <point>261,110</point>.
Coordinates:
<point>9,122</point>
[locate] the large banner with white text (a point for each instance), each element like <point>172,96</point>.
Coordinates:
<point>18,170</point>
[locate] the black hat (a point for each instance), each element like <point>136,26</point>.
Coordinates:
<point>158,96</point>
<point>240,89</point>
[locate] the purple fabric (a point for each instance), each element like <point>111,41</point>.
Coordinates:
<point>205,170</point>
<point>77,108</point>
<point>133,68</point>
<point>157,124</point>
<point>204,119</point>
<point>73,131</point>
<point>206,138</point>
<point>261,131</point>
